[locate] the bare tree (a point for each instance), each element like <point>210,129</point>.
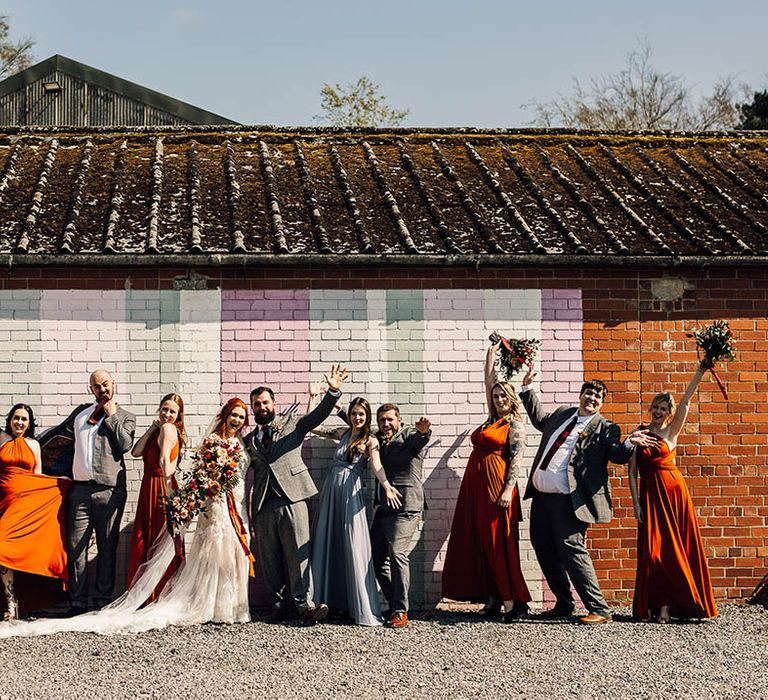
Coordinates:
<point>14,56</point>
<point>358,104</point>
<point>641,97</point>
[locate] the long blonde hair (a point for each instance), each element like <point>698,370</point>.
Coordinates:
<point>514,412</point>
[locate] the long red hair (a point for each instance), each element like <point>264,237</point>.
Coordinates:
<point>179,424</point>
<point>224,413</point>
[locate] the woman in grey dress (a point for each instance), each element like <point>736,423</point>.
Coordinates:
<point>342,568</point>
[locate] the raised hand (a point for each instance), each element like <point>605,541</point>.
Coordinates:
<point>529,375</point>
<point>336,377</point>
<point>423,425</point>
<point>316,388</point>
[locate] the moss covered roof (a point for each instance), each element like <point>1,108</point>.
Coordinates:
<point>258,191</point>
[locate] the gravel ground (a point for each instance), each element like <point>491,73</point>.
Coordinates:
<point>439,655</point>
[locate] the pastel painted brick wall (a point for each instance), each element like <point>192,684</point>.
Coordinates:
<point>417,339</point>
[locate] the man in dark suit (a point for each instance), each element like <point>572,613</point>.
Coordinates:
<point>94,437</point>
<point>569,487</point>
<point>281,487</point>
<point>392,531</point>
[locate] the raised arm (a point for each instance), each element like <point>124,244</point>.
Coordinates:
<point>515,448</point>
<point>143,441</point>
<point>392,495</point>
<point>531,402</point>
<point>490,376</point>
<point>122,430</point>
<point>166,441</point>
<point>334,433</point>
<point>681,414</point>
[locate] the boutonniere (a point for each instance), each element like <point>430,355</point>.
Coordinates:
<point>277,426</point>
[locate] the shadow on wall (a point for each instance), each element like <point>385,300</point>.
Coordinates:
<point>442,484</point>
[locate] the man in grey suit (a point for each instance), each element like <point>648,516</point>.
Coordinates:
<point>281,486</point>
<point>569,487</point>
<point>95,438</point>
<point>393,529</point>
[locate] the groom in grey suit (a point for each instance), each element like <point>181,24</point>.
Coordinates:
<point>281,487</point>
<point>89,447</point>
<point>569,487</point>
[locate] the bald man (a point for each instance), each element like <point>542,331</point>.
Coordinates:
<point>98,435</point>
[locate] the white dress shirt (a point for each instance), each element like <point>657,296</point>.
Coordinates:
<point>85,439</point>
<point>554,479</point>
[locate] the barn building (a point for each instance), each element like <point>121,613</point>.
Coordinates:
<point>210,260</point>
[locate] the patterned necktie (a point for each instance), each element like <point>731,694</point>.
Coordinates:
<point>557,444</point>
<point>266,436</point>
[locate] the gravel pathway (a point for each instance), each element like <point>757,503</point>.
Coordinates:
<point>439,655</point>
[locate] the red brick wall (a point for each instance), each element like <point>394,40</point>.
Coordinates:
<point>634,338</point>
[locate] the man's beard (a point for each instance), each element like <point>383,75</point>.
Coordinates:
<point>264,418</point>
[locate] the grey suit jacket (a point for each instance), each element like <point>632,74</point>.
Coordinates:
<point>113,439</point>
<point>403,460</point>
<point>599,443</point>
<point>282,459</point>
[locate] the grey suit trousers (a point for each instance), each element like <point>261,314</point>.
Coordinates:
<point>90,507</point>
<point>282,536</point>
<point>559,540</point>
<point>392,541</point>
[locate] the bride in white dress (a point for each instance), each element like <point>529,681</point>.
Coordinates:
<point>211,585</point>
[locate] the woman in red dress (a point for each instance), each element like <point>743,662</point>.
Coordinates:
<point>159,447</point>
<point>31,519</point>
<point>672,574</point>
<point>482,564</point>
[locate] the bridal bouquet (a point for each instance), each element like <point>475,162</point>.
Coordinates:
<point>716,342</point>
<point>513,354</point>
<point>214,473</point>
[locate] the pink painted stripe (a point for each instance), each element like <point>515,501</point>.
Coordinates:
<point>265,341</point>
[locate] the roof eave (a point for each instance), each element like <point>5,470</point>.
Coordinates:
<point>262,260</point>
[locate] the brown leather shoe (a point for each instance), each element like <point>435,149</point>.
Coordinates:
<point>312,615</point>
<point>398,620</point>
<point>594,619</point>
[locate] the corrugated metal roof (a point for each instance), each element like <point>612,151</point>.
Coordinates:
<point>320,193</point>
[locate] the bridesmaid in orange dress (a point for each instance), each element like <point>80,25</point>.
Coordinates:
<point>31,519</point>
<point>482,564</point>
<point>159,448</point>
<point>672,573</point>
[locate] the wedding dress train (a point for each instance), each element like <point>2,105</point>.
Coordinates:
<point>211,585</point>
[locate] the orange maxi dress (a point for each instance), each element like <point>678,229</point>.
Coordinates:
<point>150,518</point>
<point>32,534</point>
<point>671,564</point>
<point>483,557</point>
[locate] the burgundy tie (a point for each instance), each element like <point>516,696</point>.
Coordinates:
<point>557,444</point>
<point>266,436</point>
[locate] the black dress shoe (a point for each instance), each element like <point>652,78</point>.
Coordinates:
<point>518,610</point>
<point>559,611</point>
<point>490,613</point>
<point>277,614</point>
<point>312,615</point>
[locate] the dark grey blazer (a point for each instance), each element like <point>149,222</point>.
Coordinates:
<point>599,443</point>
<point>403,459</point>
<point>283,456</point>
<point>113,439</point>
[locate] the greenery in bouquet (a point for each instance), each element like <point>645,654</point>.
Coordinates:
<point>214,472</point>
<point>716,342</point>
<point>513,354</point>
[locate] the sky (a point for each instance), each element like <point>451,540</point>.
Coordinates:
<point>450,63</point>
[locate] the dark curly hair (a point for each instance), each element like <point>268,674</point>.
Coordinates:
<point>32,425</point>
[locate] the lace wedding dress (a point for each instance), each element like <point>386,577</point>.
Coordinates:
<point>211,585</point>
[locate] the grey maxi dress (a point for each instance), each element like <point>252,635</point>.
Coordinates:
<point>342,568</point>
